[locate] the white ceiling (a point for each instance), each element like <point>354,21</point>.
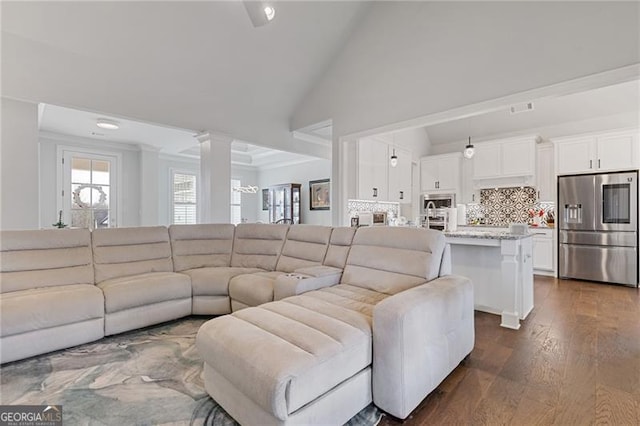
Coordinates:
<point>203,66</point>
<point>547,113</point>
<point>194,65</point>
<point>173,141</point>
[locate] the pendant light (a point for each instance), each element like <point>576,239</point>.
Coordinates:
<point>469,150</point>
<point>394,159</point>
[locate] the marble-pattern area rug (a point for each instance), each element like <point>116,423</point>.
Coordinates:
<point>144,377</point>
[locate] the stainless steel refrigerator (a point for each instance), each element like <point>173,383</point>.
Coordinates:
<point>598,227</point>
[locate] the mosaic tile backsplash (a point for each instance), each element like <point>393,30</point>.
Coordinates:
<point>502,206</point>
<point>356,206</point>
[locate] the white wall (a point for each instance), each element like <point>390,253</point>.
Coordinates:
<point>415,140</point>
<point>149,190</point>
<point>412,59</point>
<point>19,166</point>
<point>302,174</point>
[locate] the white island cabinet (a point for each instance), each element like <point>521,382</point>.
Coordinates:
<point>500,266</point>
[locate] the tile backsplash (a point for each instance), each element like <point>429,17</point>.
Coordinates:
<point>502,206</point>
<point>356,206</point>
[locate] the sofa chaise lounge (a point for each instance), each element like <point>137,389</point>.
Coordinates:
<point>393,328</point>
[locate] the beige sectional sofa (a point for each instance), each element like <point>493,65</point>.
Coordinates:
<point>358,316</point>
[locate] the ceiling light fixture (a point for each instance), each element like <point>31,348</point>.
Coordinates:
<point>260,12</point>
<point>394,159</point>
<point>269,12</point>
<point>469,150</point>
<point>107,124</point>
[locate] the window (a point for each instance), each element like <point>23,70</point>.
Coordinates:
<point>236,202</point>
<point>184,198</point>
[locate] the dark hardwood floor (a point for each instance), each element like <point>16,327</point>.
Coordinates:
<point>575,360</point>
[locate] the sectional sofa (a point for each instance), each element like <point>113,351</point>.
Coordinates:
<point>322,320</point>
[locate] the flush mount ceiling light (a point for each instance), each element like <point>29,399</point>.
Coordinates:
<point>469,150</point>
<point>260,12</point>
<point>105,123</point>
<point>269,12</point>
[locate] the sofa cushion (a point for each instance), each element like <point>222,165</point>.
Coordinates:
<point>258,245</point>
<point>393,259</point>
<point>199,246</point>
<point>339,246</point>
<point>253,289</point>
<point>214,281</point>
<point>44,258</point>
<point>321,339</point>
<point>41,308</point>
<point>306,245</point>
<point>122,252</point>
<point>144,289</point>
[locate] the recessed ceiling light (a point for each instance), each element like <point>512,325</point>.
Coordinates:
<point>105,123</point>
<point>269,12</point>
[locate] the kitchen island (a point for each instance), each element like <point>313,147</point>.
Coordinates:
<point>501,268</point>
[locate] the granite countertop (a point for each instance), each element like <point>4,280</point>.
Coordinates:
<point>490,235</point>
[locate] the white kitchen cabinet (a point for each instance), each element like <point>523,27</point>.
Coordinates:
<point>617,152</point>
<point>518,158</point>
<point>508,162</point>
<point>602,152</point>
<point>487,160</point>
<point>543,251</point>
<point>372,173</point>
<point>400,177</point>
<point>440,173</point>
<point>469,193</point>
<point>545,173</point>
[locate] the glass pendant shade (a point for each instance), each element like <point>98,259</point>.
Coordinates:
<point>469,150</point>
<point>394,159</point>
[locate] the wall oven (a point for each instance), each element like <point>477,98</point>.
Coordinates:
<point>433,209</point>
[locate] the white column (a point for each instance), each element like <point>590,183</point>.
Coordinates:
<point>511,284</point>
<point>149,174</point>
<point>215,178</point>
<point>19,171</point>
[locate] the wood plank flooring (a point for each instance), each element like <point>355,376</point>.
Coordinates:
<point>574,361</point>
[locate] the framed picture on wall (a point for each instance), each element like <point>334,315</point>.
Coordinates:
<point>320,194</point>
<point>265,199</point>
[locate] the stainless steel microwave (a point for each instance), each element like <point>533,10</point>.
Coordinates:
<point>431,202</point>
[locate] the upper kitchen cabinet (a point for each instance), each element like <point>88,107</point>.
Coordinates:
<point>440,173</point>
<point>400,177</point>
<point>545,173</point>
<point>370,175</point>
<point>600,152</point>
<point>506,162</point>
<point>372,170</point>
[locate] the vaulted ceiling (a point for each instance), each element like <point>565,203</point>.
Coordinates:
<point>192,65</point>
<point>201,65</point>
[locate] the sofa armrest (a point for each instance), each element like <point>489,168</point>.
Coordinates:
<point>419,336</point>
<point>297,283</point>
<point>319,271</point>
